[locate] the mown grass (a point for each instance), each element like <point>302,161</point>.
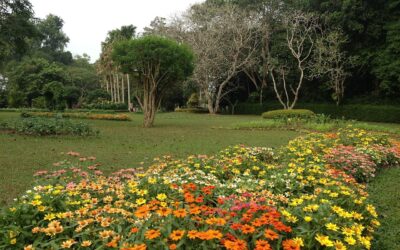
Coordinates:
<point>385,194</point>
<point>123,144</point>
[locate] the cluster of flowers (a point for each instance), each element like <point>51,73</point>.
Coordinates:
<point>242,198</point>
<point>82,115</point>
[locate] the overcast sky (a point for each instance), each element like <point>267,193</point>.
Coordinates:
<point>86,22</point>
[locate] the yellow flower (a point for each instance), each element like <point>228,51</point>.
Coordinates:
<point>86,243</point>
<point>339,245</point>
<point>13,241</point>
<point>324,240</point>
<point>152,180</point>
<point>331,226</point>
<point>161,197</point>
<point>29,247</point>
<point>350,240</point>
<point>308,218</point>
<point>140,201</point>
<point>299,241</point>
<point>49,217</point>
<point>67,243</point>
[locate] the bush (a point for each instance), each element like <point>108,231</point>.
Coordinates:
<point>288,113</point>
<point>45,126</point>
<point>191,110</point>
<point>106,106</point>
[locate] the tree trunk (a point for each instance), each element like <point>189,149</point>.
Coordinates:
<point>123,88</point>
<point>149,103</point>
<point>118,90</point>
<point>129,93</point>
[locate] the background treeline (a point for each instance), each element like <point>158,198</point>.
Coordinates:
<point>35,68</point>
<point>250,55</point>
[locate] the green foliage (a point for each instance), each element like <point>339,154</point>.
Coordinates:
<point>53,93</point>
<point>106,106</point>
<point>71,95</point>
<point>192,110</point>
<point>16,27</point>
<point>47,126</point>
<point>288,113</point>
<point>79,115</point>
<point>98,96</point>
<point>28,78</point>
<point>193,101</point>
<point>360,112</point>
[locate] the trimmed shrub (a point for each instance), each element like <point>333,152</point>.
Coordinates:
<point>288,113</point>
<point>45,126</point>
<point>192,110</point>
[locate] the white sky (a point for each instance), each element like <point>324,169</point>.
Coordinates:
<point>86,22</point>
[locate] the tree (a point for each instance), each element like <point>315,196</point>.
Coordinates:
<point>109,71</point>
<point>300,31</point>
<point>16,27</point>
<point>53,93</point>
<point>223,40</point>
<point>71,95</point>
<point>158,63</point>
<point>26,79</point>
<point>332,61</point>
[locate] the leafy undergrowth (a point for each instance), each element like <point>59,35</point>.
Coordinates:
<point>242,198</point>
<point>47,126</point>
<point>79,115</point>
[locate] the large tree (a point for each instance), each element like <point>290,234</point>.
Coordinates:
<point>223,40</point>
<point>16,27</point>
<point>158,63</point>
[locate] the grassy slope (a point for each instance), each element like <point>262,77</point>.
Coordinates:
<point>125,144</point>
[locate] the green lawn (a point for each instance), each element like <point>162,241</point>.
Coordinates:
<point>125,144</point>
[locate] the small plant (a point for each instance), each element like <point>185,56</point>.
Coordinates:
<point>47,126</point>
<point>80,115</point>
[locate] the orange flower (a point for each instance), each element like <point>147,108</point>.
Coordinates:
<point>164,211</point>
<point>235,244</point>
<point>142,211</point>
<point>136,247</point>
<point>247,229</point>
<point>172,246</point>
<point>180,213</point>
<point>152,234</point>
<point>192,234</point>
<point>195,210</point>
<point>134,230</point>
<point>177,234</point>
<point>262,245</point>
<point>270,234</point>
<point>290,245</point>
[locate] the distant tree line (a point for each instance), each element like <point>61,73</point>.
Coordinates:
<point>285,51</point>
<point>35,68</point>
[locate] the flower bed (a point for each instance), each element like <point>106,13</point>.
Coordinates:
<point>241,198</point>
<point>113,117</point>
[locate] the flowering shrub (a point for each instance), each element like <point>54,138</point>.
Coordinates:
<point>241,198</point>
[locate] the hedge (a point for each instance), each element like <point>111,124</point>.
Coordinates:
<point>280,113</point>
<point>360,112</point>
